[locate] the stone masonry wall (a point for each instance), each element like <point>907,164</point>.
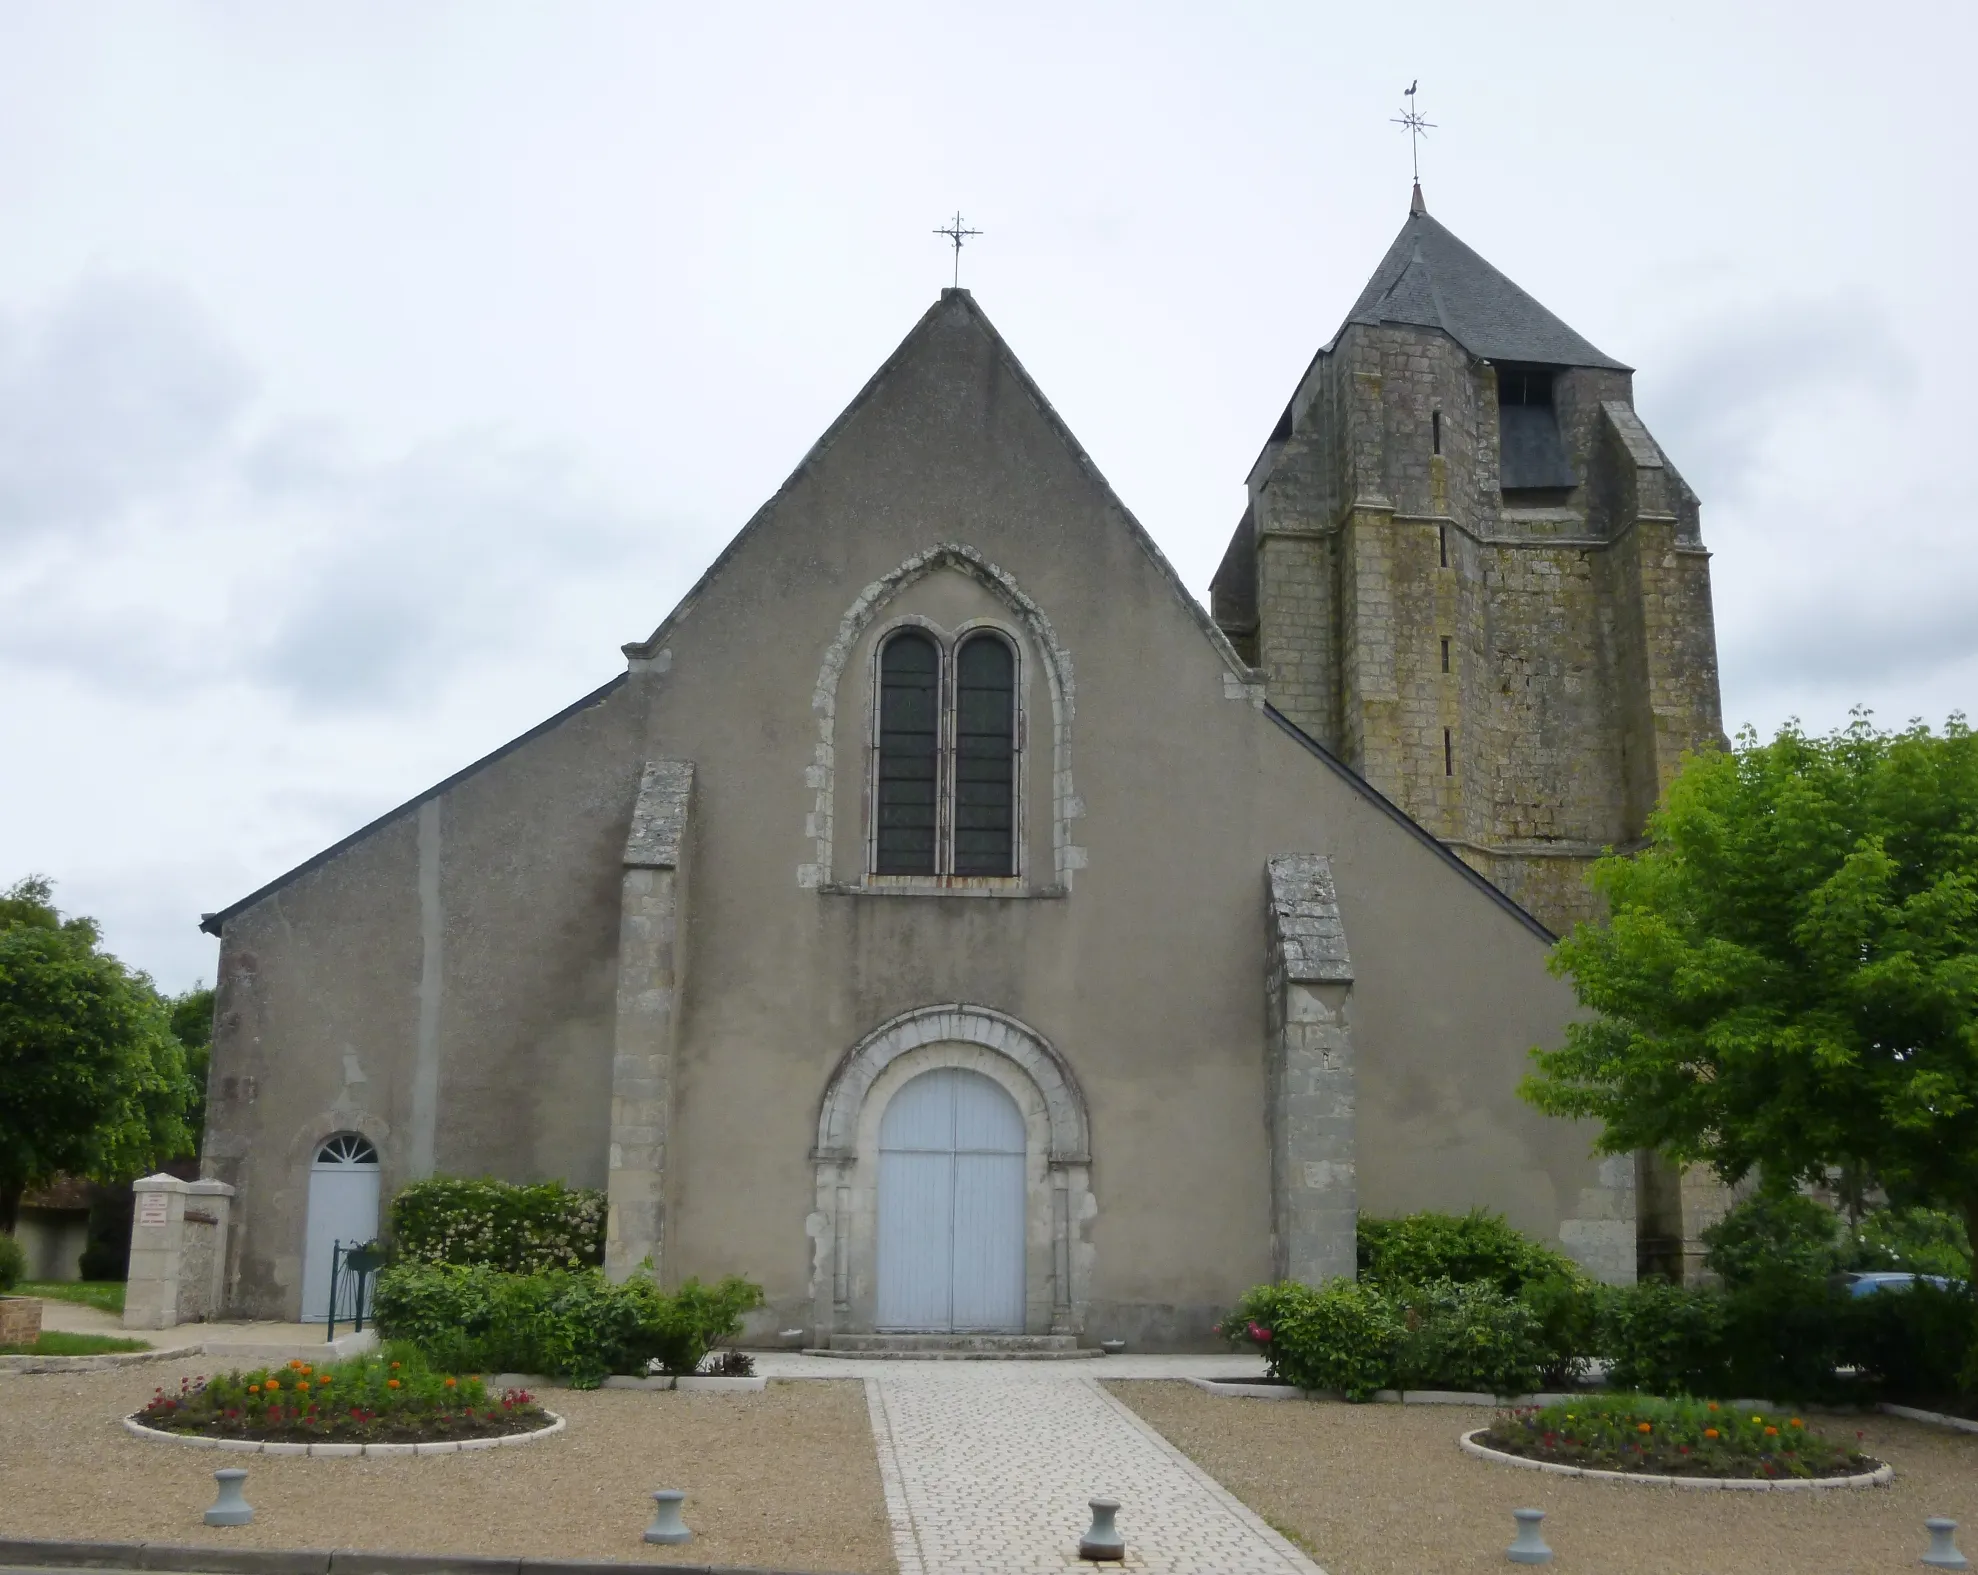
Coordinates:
<point>1581,650</point>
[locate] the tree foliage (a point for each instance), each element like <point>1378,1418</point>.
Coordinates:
<point>1788,975</point>
<point>92,1080</point>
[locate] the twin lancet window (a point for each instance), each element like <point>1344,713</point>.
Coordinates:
<point>945,779</point>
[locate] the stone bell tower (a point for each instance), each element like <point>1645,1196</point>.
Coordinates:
<point>1468,570</point>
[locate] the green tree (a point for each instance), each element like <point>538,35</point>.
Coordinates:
<point>92,1080</point>
<point>192,1026</point>
<point>1787,977</point>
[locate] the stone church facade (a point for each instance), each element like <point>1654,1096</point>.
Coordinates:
<point>946,922</point>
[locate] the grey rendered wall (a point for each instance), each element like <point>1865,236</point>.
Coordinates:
<point>1148,974</point>
<point>444,985</point>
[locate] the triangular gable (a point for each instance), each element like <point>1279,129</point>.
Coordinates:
<point>637,653</point>
<point>952,300</point>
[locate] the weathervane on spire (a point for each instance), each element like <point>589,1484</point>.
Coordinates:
<point>955,232</point>
<point>1418,128</point>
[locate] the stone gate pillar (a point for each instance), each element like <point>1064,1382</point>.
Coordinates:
<point>650,956</point>
<point>178,1251</point>
<point>1309,1082</point>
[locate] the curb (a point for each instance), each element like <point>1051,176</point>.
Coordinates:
<point>101,1362</point>
<point>1879,1477</point>
<point>336,1350</point>
<point>254,1446</point>
<point>29,1553</point>
<point>1959,1424</point>
<point>1245,1391</point>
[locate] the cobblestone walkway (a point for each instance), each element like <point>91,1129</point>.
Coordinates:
<point>988,1467</point>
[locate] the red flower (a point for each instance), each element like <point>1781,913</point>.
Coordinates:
<point>1259,1332</point>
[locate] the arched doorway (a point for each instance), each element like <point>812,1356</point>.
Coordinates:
<point>343,1207</point>
<point>951,1206</point>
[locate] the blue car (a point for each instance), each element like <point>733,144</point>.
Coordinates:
<point>1869,1284</point>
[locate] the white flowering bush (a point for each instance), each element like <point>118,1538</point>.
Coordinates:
<point>484,1223</point>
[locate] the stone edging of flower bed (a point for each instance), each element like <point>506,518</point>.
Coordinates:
<point>255,1446</point>
<point>1879,1477</point>
<point>1961,1424</point>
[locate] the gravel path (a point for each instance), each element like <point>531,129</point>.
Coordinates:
<point>1383,1490</point>
<point>787,1478</point>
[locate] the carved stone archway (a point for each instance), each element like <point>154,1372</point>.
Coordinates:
<point>1059,1204</point>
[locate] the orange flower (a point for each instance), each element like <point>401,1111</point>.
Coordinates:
<point>1771,1432</point>
<point>1713,1405</point>
<point>1798,1423</point>
<point>449,1383</point>
<point>254,1389</point>
<point>392,1383</point>
<point>1643,1427</point>
<point>324,1379</point>
<point>272,1385</point>
<point>394,1367</point>
<point>1710,1432</point>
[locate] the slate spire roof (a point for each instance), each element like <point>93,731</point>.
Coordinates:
<point>1432,280</point>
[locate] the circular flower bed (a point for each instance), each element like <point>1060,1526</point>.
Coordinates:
<point>1638,1435</point>
<point>388,1399</point>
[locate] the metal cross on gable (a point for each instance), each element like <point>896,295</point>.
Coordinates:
<point>1418,128</point>
<point>955,232</point>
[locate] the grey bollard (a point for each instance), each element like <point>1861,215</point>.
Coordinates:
<point>230,1509</point>
<point>1102,1539</point>
<point>1528,1547</point>
<point>1943,1554</point>
<point>667,1526</point>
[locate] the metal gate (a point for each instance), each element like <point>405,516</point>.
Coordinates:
<point>951,1206</point>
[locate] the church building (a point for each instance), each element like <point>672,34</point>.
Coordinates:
<point>947,922</point>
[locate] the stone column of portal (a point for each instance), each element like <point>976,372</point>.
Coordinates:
<point>1309,1049</point>
<point>650,932</point>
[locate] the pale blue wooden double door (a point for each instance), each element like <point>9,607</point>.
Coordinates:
<point>951,1197</point>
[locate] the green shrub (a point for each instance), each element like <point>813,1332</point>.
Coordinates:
<point>1567,1308</point>
<point>1776,1236</point>
<point>1418,1248</point>
<point>491,1224</point>
<point>1915,1343</point>
<point>1663,1339</point>
<point>570,1324</point>
<point>13,1264</point>
<point>1918,1241</point>
<point>1340,1336</point>
<point>1470,1337</point>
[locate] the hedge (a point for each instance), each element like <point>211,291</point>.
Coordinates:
<point>568,1324</point>
<point>484,1223</point>
<point>1524,1317</point>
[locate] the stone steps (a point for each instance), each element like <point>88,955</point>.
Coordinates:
<point>953,1347</point>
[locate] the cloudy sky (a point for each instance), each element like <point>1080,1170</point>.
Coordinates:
<point>370,372</point>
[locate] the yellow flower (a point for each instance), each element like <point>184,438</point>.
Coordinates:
<point>1758,1419</point>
